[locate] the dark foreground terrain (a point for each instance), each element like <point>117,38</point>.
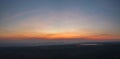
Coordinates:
<point>71,51</point>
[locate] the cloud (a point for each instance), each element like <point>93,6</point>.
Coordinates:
<point>105,37</point>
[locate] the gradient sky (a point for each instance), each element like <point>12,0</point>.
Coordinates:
<point>55,19</point>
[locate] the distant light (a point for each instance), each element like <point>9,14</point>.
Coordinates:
<point>89,44</point>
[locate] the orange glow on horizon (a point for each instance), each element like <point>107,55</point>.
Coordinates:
<point>67,35</point>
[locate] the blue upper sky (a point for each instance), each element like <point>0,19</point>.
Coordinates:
<point>106,7</point>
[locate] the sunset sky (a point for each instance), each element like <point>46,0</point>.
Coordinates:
<point>60,19</point>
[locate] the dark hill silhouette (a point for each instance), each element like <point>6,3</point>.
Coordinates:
<point>93,50</point>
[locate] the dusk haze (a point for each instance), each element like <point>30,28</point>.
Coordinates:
<point>59,29</point>
<point>82,20</point>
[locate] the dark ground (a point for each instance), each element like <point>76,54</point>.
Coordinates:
<point>72,51</point>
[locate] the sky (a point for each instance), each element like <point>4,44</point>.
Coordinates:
<point>59,19</point>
